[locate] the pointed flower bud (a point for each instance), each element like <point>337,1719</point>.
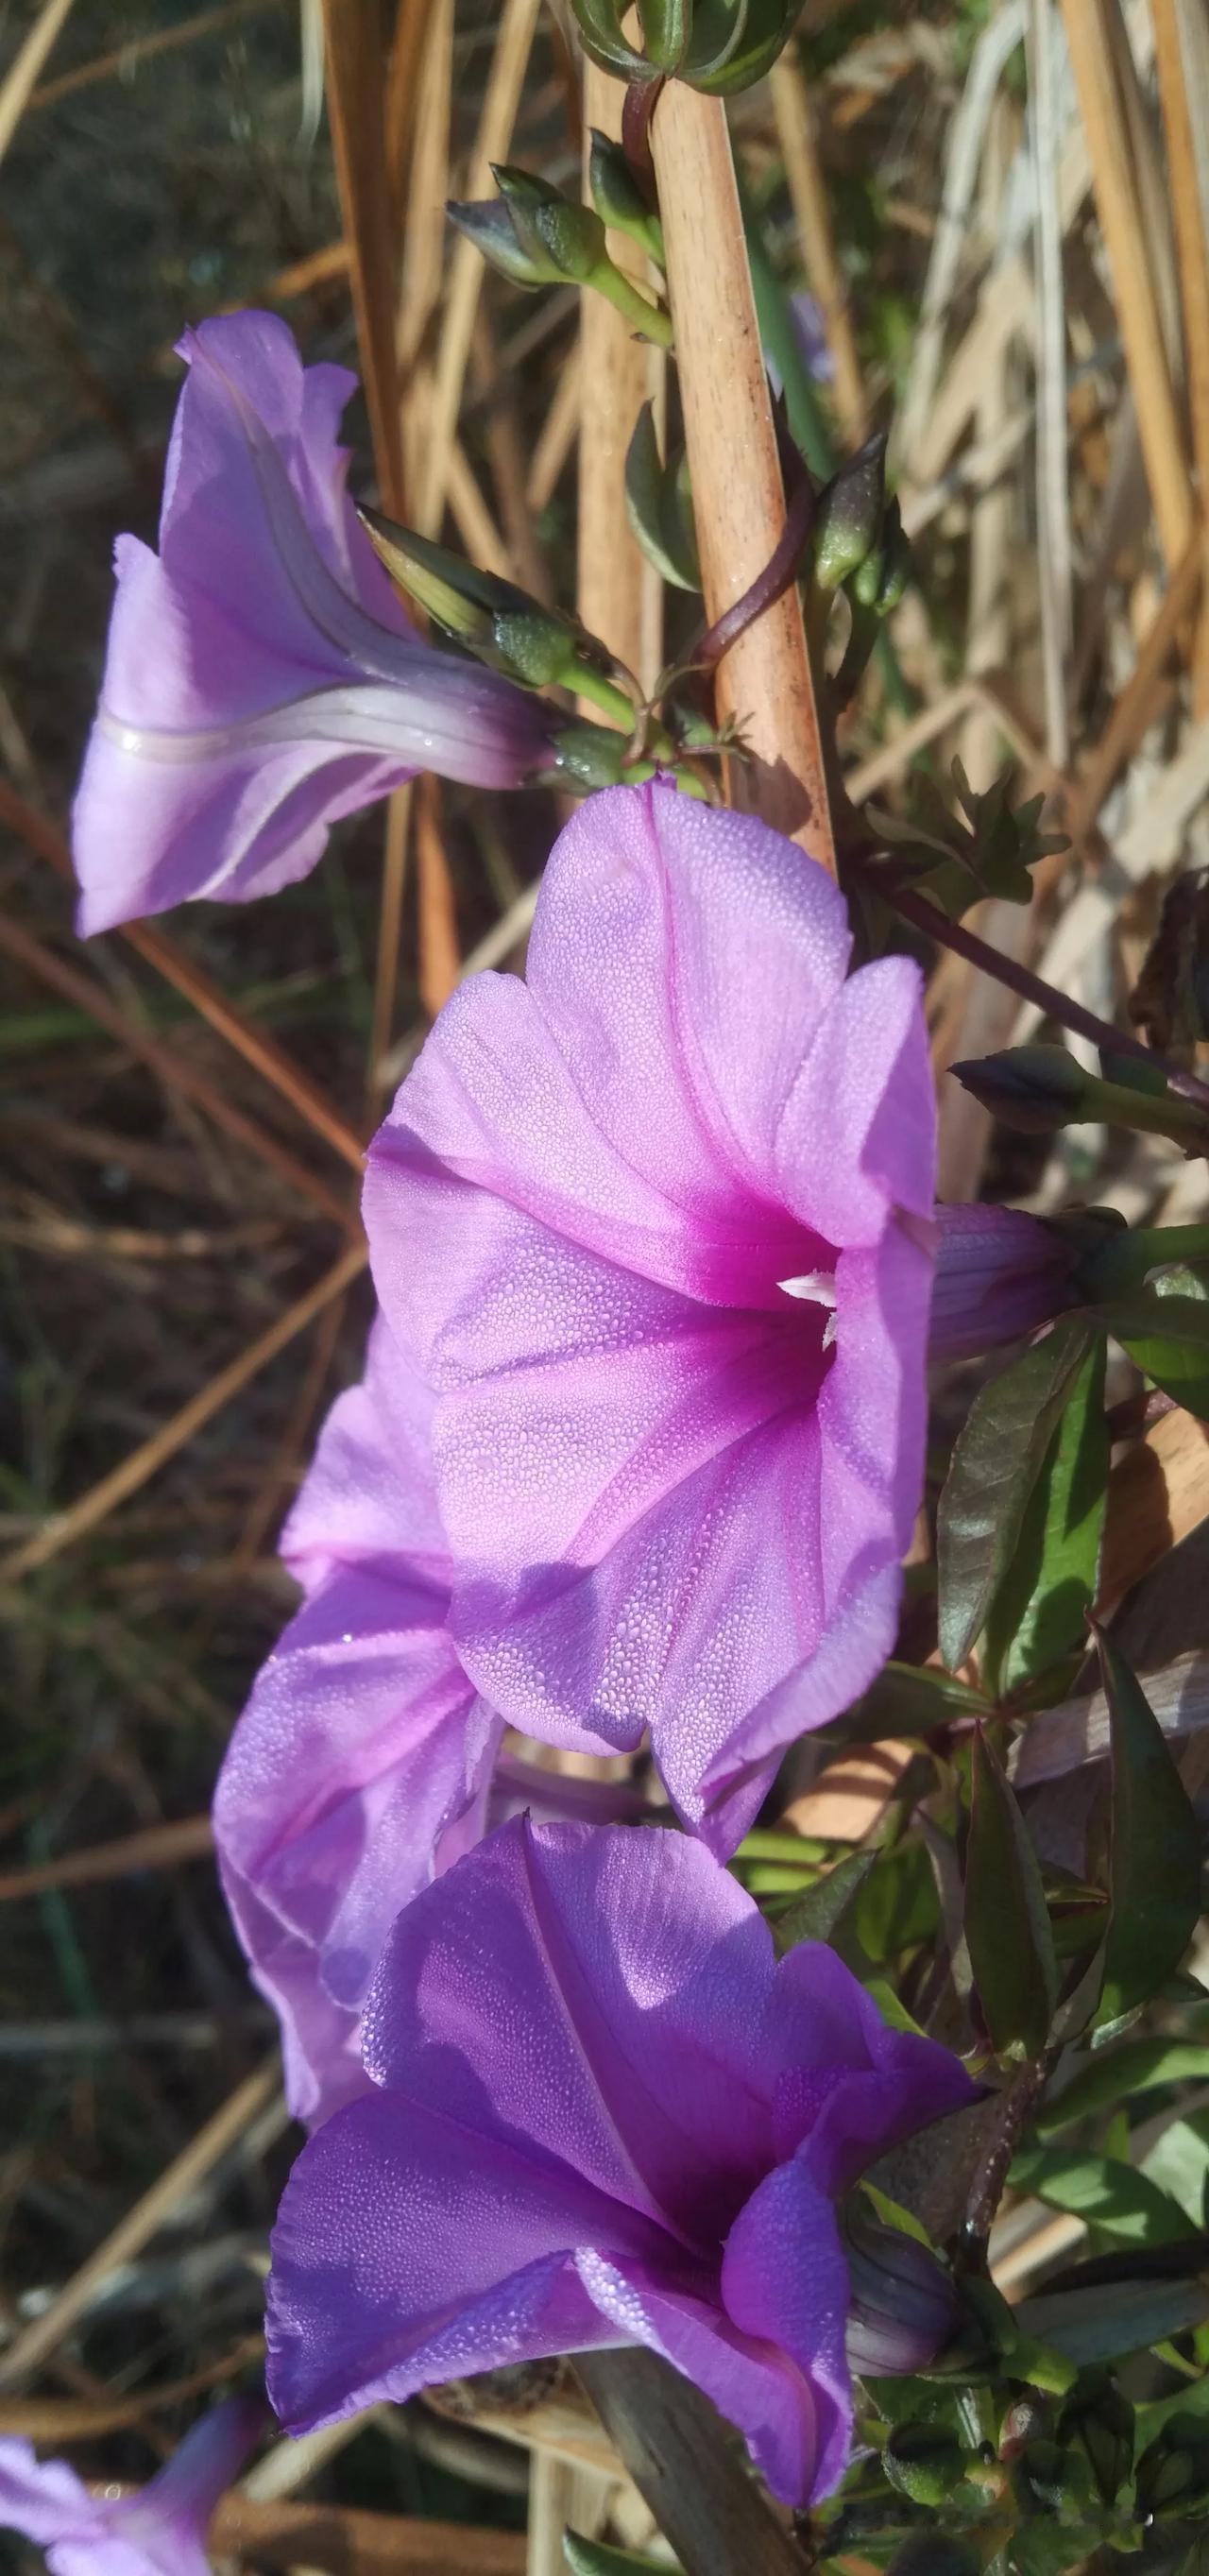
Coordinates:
<point>496,621</point>
<point>491,228</point>
<point>618,198</point>
<point>534,236</point>
<point>999,1274</point>
<point>924,2462</point>
<point>849,515</point>
<point>904,2308</point>
<point>1038,1089</point>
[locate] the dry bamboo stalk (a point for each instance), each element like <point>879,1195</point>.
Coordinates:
<point>620,593</point>
<point>43,2336</point>
<point>64,1527</point>
<point>518,21</point>
<point>17,86</point>
<point>170,1067</point>
<point>1136,300</point>
<point>764,682</point>
<point>403,106</point>
<point>355,86</point>
<point>153,1847</point>
<point>794,112</point>
<point>1193,255</point>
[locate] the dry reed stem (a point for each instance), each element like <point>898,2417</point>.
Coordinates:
<point>356,74</point>
<point>34,2346</point>
<point>764,682</point>
<point>1055,568</point>
<point>79,2419</point>
<point>1135,707</point>
<point>518,23</point>
<point>173,1070</point>
<point>125,59</point>
<point>793,108</point>
<point>440,953</point>
<point>557,435</point>
<point>403,103</point>
<point>390,935</point>
<point>20,80</point>
<point>1193,256</point>
<point>64,1527</point>
<point>153,1847</point>
<point>350,2542</point>
<point>620,594</point>
<point>1136,298</point>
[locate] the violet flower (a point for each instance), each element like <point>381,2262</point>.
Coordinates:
<point>999,1274</point>
<point>603,2113</point>
<point>365,1761</point>
<point>261,678</point>
<point>651,1225</point>
<point>159,2530</point>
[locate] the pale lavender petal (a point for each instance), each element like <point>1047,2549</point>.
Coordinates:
<point>785,2284</point>
<point>410,2249</point>
<point>157,2531</point>
<point>320,2040</point>
<point>857,1137</point>
<point>370,1491</point>
<point>589,1991</point>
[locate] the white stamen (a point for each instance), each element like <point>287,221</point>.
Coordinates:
<point>816,1286</point>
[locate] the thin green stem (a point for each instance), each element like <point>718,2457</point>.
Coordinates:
<point>651,319</point>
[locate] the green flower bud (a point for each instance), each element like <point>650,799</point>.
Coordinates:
<point>923,2462</point>
<point>848,519</point>
<point>1035,1089</point>
<point>1052,2479</point>
<point>592,755</point>
<point>492,230</point>
<point>618,198</point>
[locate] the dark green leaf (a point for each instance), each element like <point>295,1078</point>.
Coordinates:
<point>908,1699</point>
<point>818,1912</point>
<point>659,505</point>
<point>997,1459</point>
<point>1119,2073</point>
<point>1179,2161</point>
<point>595,2558</point>
<point>1108,2194</point>
<point>1106,2321</point>
<point>1006,1922</point>
<point>897,1905</point>
<point>1040,1609</point>
<point>1179,1361</point>
<point>1155,1864</point>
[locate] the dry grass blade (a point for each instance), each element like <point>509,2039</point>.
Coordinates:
<point>155,1847</point>
<point>556,437</point>
<point>348,2542</point>
<point>518,22</point>
<point>1193,254</point>
<point>80,2419</point>
<point>171,1068</point>
<point>42,2337</point>
<point>20,80</point>
<point>620,593</point>
<point>356,76</point>
<point>764,682</point>
<point>1116,194</point>
<point>794,111</point>
<point>440,953</point>
<point>1054,559</point>
<point>125,60</point>
<point>1138,703</point>
<point>95,1506</point>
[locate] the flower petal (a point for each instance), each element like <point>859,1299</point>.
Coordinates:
<point>857,1137</point>
<point>370,1490</point>
<point>785,2283</point>
<point>850,2087</point>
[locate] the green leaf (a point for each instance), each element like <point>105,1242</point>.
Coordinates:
<point>1155,1862</point>
<point>820,1909</point>
<point>595,2558</point>
<point>907,1699</point>
<point>1106,2321</point>
<point>1040,1610</point>
<point>1108,2194</point>
<point>997,1459</point>
<point>1118,2073</point>
<point>659,505</point>
<point>1179,2161</point>
<point>1178,1362</point>
<point>1007,1925</point>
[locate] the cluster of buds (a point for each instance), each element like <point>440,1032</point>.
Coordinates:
<point>536,237</point>
<point>857,545</point>
<point>715,45</point>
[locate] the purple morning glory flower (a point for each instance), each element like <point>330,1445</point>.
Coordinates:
<point>656,1226</point>
<point>362,1761</point>
<point>158,2531</point>
<point>602,2113</point>
<point>999,1274</point>
<point>261,679</point>
<point>365,1760</point>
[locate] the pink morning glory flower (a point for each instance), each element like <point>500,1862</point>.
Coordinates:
<point>656,1226</point>
<point>601,2113</point>
<point>261,678</point>
<point>365,1760</point>
<point>160,2530</point>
